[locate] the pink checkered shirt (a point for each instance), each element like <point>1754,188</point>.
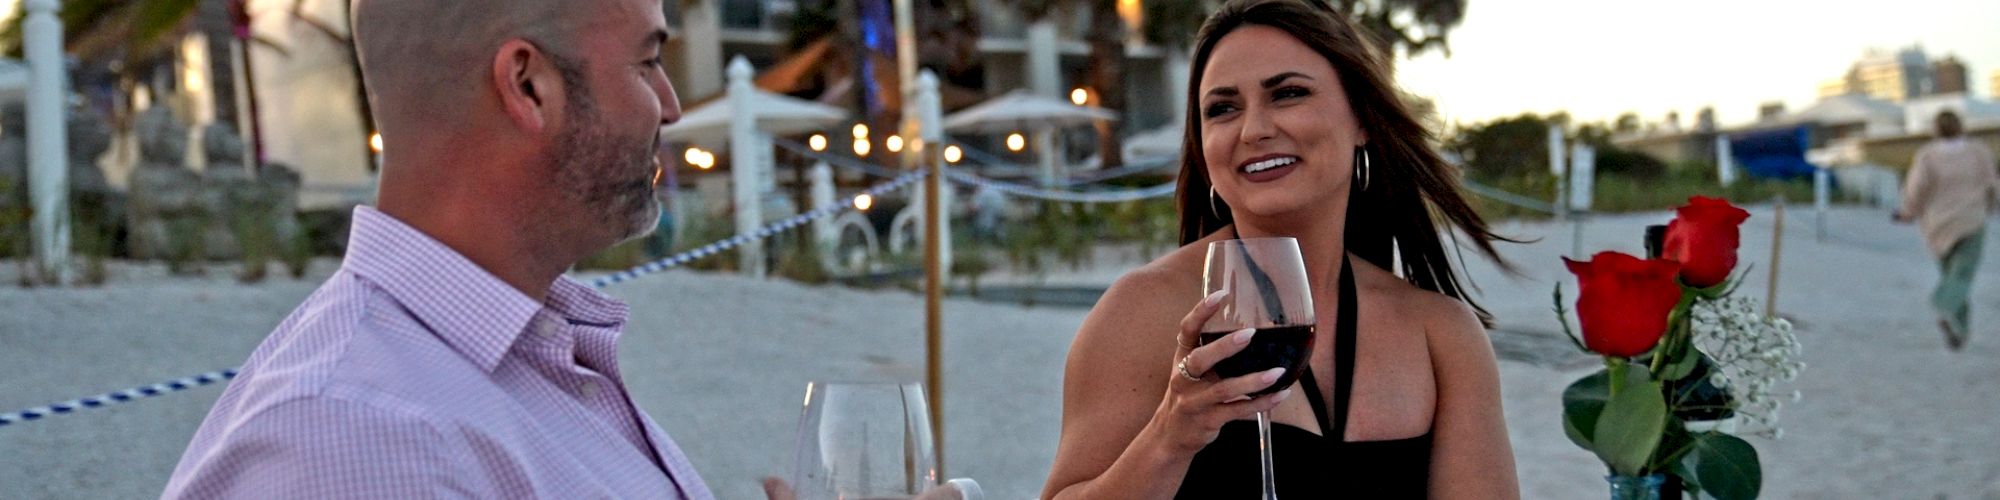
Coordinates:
<point>413,373</point>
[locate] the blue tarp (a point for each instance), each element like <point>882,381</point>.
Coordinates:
<point>1773,153</point>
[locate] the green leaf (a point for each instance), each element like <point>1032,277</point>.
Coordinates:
<point>1583,401</point>
<point>1629,429</point>
<point>1725,466</point>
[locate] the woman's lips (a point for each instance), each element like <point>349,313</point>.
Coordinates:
<point>1270,174</point>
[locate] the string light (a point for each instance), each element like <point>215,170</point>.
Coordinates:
<point>864,202</point>
<point>894,143</point>
<point>1079,96</point>
<point>1016,143</point>
<point>861,147</point>
<point>952,154</point>
<point>817,142</point>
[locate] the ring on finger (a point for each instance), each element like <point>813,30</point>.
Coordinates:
<point>1182,368</point>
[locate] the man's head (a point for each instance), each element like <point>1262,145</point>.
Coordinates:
<point>1948,125</point>
<point>540,111</point>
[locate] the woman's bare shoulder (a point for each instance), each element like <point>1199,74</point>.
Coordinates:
<point>1440,314</point>
<point>1170,281</point>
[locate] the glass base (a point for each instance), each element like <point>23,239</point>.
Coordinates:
<point>1636,487</point>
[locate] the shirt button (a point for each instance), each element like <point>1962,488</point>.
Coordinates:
<point>589,389</point>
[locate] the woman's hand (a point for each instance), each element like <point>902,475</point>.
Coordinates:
<point>1198,402</point>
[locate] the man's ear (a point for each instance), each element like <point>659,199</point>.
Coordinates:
<point>528,84</point>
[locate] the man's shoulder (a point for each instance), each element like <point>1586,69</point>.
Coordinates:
<point>347,337</point>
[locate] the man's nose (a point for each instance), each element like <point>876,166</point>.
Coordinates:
<point>670,103</point>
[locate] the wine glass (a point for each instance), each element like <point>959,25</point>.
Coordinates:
<point>1266,280</point>
<point>868,441</point>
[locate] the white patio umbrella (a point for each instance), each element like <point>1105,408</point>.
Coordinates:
<point>1019,110</point>
<point>777,114</point>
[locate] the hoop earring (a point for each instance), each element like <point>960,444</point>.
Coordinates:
<point>1211,204</point>
<point>1361,167</point>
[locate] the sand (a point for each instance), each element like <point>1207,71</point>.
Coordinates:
<point>722,361</point>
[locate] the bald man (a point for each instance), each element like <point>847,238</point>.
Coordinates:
<point>448,357</point>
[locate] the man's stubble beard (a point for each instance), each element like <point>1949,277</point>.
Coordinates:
<point>611,177</point>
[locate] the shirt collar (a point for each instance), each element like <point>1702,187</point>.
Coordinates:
<point>468,308</point>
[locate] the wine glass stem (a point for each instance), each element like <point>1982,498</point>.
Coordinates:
<point>1264,452</point>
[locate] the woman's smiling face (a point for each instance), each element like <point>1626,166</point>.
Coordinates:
<point>1277,133</point>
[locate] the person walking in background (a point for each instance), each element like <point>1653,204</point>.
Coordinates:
<point>1951,188</point>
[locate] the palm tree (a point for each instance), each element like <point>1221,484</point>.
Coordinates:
<point>133,39</point>
<point>1413,26</point>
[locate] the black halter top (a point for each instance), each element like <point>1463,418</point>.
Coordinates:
<point>1310,465</point>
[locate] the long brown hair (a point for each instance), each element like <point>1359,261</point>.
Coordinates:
<point>1411,189</point>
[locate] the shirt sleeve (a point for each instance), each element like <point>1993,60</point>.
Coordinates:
<point>1916,186</point>
<point>322,447</point>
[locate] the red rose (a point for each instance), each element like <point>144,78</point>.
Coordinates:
<point>1623,302</point>
<point>1703,238</point>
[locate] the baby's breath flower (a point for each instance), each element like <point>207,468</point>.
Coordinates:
<point>1752,354</point>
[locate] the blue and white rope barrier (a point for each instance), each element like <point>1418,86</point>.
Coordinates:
<point>1115,196</point>
<point>763,232</point>
<point>768,230</point>
<point>110,398</point>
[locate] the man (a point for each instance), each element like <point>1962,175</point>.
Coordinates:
<point>448,357</point>
<point>1952,187</point>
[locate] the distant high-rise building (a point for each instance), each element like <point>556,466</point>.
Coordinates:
<point>1893,76</point>
<point>1948,76</point>
<point>1770,110</point>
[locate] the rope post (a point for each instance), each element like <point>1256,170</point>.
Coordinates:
<point>1777,243</point>
<point>745,168</point>
<point>931,150</point>
<point>48,155</point>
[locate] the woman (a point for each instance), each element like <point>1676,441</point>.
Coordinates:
<point>1952,188</point>
<point>1293,126</point>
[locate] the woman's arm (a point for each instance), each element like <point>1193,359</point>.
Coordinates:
<point>1131,425</point>
<point>1470,455</point>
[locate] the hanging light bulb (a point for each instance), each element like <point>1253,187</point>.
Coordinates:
<point>894,143</point>
<point>860,131</point>
<point>862,147</point>
<point>1079,96</point>
<point>817,142</point>
<point>864,202</point>
<point>1016,143</point>
<point>952,154</point>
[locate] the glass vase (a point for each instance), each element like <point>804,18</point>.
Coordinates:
<point>1645,487</point>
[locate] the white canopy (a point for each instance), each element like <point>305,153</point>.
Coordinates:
<point>1019,110</point>
<point>777,114</point>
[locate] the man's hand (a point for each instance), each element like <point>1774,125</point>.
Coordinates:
<point>777,489</point>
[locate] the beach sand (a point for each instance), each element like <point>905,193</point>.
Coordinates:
<point>722,361</point>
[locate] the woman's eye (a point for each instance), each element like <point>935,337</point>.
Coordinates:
<point>1290,93</point>
<point>1217,109</point>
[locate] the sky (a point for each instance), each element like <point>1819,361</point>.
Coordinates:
<point>1599,58</point>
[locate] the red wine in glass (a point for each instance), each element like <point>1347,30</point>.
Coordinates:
<point>1273,347</point>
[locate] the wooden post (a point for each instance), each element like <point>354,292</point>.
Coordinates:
<point>1777,243</point>
<point>930,151</point>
